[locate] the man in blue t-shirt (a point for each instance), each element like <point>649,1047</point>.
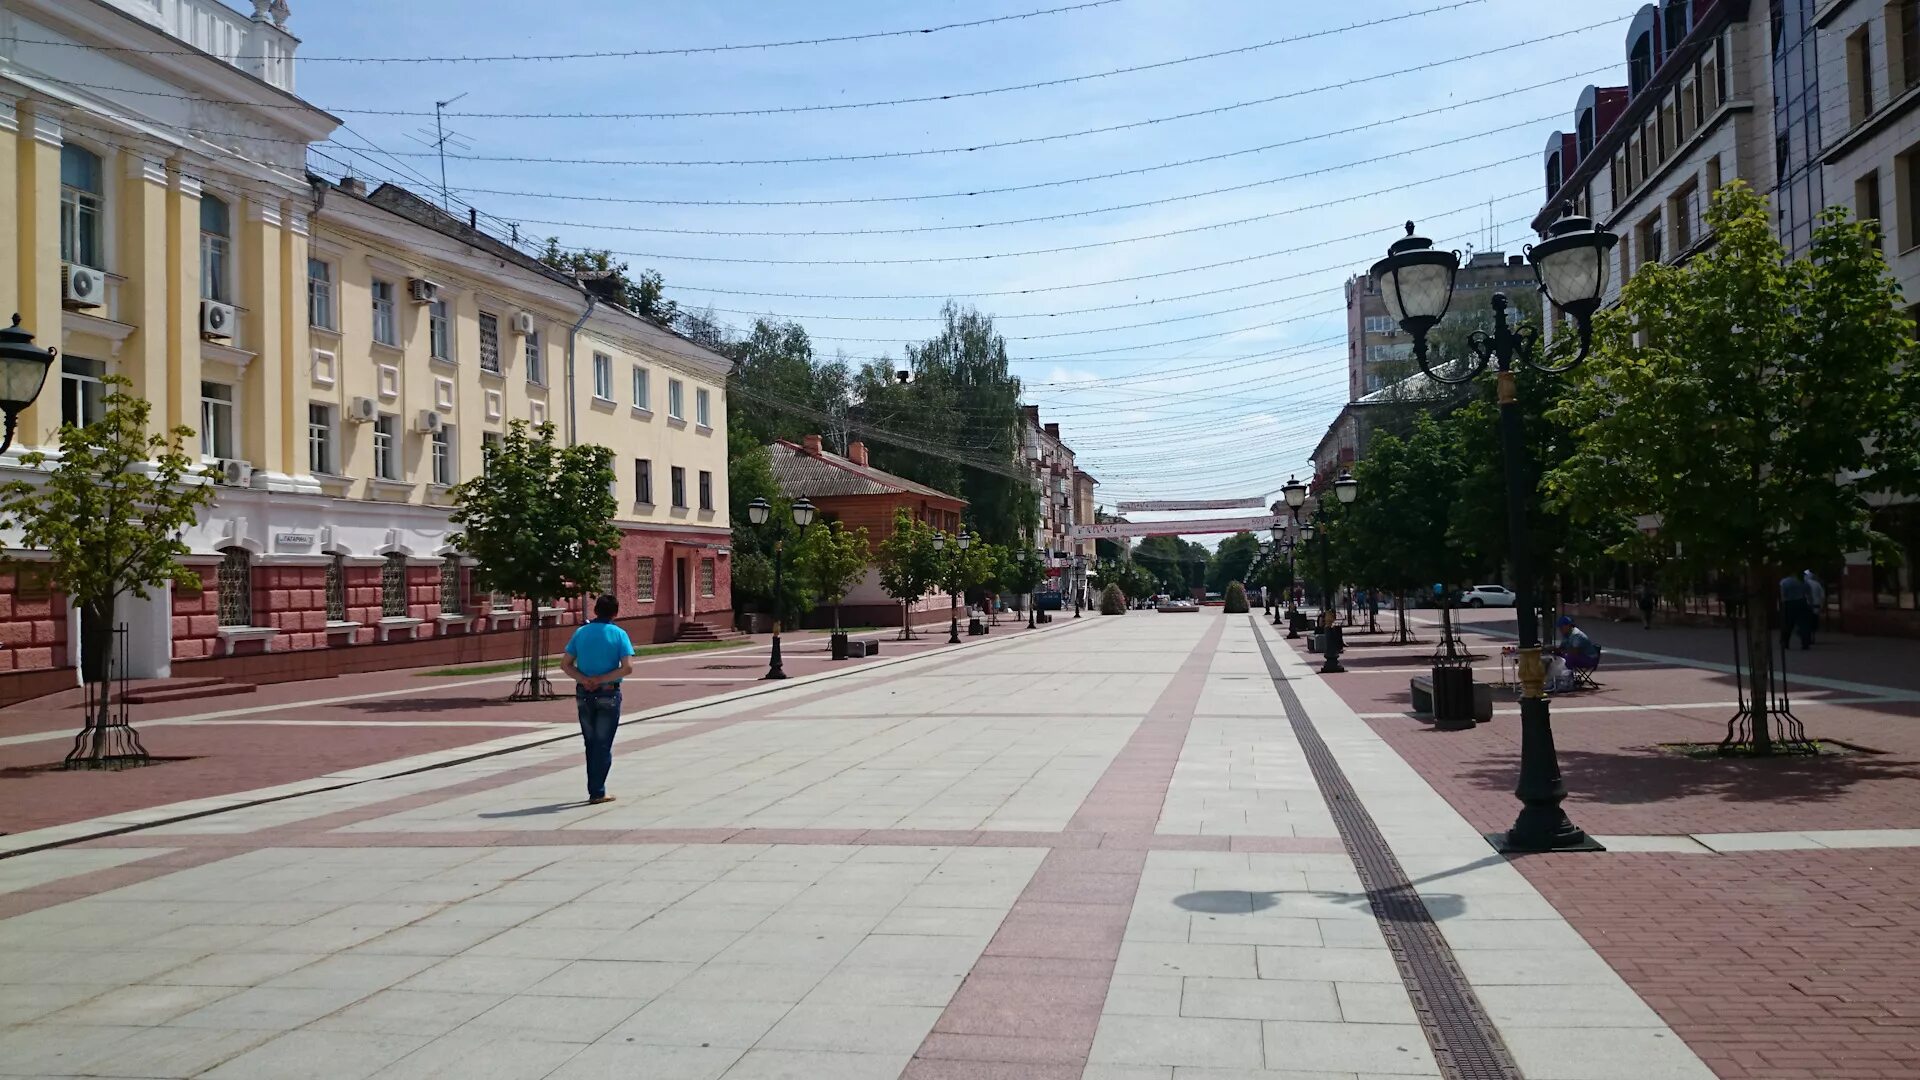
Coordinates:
<point>598,656</point>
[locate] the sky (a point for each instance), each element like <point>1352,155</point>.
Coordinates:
<point>1210,373</point>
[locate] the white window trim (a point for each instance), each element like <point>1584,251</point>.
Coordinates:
<point>441,449</point>
<point>393,310</point>
<point>332,428</point>
<point>394,450</point>
<point>676,400</point>
<point>332,325</point>
<point>643,389</point>
<point>703,408</point>
<point>232,405</point>
<point>603,364</point>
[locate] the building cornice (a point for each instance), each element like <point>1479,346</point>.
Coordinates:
<point>1639,105</point>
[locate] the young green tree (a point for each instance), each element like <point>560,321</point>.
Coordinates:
<point>1753,405</point>
<point>750,477</point>
<point>994,568</point>
<point>109,515</point>
<point>910,567</point>
<point>1230,561</point>
<point>1025,573</point>
<point>539,522</point>
<point>832,560</point>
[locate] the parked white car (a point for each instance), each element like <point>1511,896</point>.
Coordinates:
<point>1487,596</point>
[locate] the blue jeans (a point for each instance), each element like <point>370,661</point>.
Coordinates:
<point>599,719</point>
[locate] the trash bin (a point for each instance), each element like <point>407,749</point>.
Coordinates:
<point>1452,697</point>
<point>837,646</point>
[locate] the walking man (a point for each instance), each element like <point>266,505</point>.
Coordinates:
<point>1647,599</point>
<point>598,656</point>
<point>1816,604</point>
<point>1794,609</point>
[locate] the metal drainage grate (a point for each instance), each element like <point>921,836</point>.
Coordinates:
<point>1465,1042</point>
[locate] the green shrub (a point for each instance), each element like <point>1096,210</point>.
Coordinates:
<point>1236,600</point>
<point>1113,601</point>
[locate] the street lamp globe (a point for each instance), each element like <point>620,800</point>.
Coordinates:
<point>939,541</point>
<point>1279,532</point>
<point>1572,264</point>
<point>23,371</point>
<point>757,511</point>
<point>803,511</point>
<point>1295,492</point>
<point>964,540</point>
<point>1346,488</point>
<point>1416,282</point>
<point>1306,529</point>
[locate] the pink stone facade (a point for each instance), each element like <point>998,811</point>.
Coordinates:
<point>690,579</point>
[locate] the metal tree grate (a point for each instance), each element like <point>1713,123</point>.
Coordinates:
<point>107,739</point>
<point>1464,1040</point>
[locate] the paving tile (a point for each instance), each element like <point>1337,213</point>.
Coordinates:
<point>138,1006</point>
<point>352,971</point>
<point>266,1008</point>
<point>1602,1054</point>
<point>1165,958</point>
<point>869,986</point>
<point>877,1029</point>
<point>1374,1003</point>
<point>466,1057</point>
<point>701,1023</point>
<point>409,1012</point>
<point>551,1019</point>
<point>1253,930</point>
<point>319,1055</point>
<point>484,974</point>
<point>746,982</point>
<point>1260,999</point>
<point>637,980</point>
<point>1327,965</point>
<point>929,955</point>
<point>608,1061</point>
<point>1383,1048</point>
<point>815,1065</point>
<point>1175,1040</point>
<point>1566,1006</point>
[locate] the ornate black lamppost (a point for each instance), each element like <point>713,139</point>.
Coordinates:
<point>1571,267</point>
<point>953,591</point>
<point>1079,584</point>
<point>23,371</point>
<point>757,512</point>
<point>1033,556</point>
<point>1332,641</point>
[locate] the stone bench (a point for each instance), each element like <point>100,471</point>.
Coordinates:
<point>1421,688</point>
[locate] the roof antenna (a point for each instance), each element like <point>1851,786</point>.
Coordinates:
<point>439,140</point>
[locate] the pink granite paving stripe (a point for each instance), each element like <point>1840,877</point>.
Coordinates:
<point>1031,1004</point>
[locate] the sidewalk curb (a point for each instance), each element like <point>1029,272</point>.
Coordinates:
<point>242,801</point>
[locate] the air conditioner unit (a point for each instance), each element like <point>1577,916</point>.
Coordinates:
<point>216,319</point>
<point>422,290</point>
<point>523,322</point>
<point>83,286</point>
<point>361,410</point>
<point>236,473</point>
<point>430,422</point>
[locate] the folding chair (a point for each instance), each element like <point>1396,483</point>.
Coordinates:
<point>1583,671</point>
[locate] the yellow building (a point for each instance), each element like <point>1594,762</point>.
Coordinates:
<point>342,356</point>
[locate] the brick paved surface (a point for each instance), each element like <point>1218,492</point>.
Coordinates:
<point>1777,964</point>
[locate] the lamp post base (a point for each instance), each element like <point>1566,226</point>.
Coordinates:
<point>1542,824</point>
<point>774,670</point>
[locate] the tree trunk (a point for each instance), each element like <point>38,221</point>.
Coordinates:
<point>1759,657</point>
<point>96,667</point>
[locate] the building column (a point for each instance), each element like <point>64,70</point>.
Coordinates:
<point>9,222</point>
<point>261,424</point>
<point>142,302</point>
<point>182,264</point>
<point>296,347</point>
<point>37,187</point>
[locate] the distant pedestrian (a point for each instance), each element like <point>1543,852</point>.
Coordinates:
<point>1648,598</point>
<point>1795,610</point>
<point>1816,605</point>
<point>599,655</point>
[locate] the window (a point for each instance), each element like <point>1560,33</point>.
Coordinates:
<point>703,408</point>
<point>706,490</point>
<point>320,453</point>
<point>1859,75</point>
<point>216,420</point>
<point>1381,324</point>
<point>1866,200</point>
<point>603,376</point>
<point>1907,171</point>
<point>1640,62</point>
<point>82,393</point>
<point>393,587</point>
<point>320,295</point>
<point>453,600</point>
<point>234,582</point>
<point>386,330</point>
<point>536,360</point>
<point>489,343</point>
<point>676,400</point>
<point>679,488</point>
<point>642,391</point>
<point>337,589</point>
<point>643,481</point>
<point>216,249</point>
<point>386,447</point>
<point>439,331</point>
<point>1686,217</point>
<point>643,579</point>
<point>706,577</point>
<point>1906,23</point>
<point>442,444</point>
<point>491,443</point>
<point>82,207</point>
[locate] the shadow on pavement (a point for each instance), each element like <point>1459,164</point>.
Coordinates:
<point>1628,779</point>
<point>535,811</point>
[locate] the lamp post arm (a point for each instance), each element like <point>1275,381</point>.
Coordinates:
<point>1475,342</point>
